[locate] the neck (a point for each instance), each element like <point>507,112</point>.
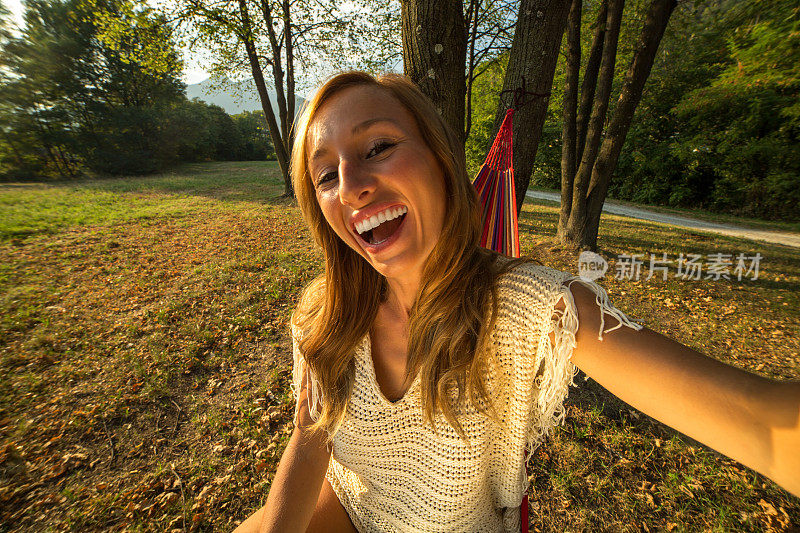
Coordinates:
<point>400,296</point>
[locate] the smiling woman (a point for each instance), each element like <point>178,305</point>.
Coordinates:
<point>368,159</point>
<point>427,369</point>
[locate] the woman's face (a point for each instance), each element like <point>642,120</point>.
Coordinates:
<point>378,184</point>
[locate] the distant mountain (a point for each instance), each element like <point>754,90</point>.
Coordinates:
<point>235,97</point>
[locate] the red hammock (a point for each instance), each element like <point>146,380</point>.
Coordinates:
<point>495,186</point>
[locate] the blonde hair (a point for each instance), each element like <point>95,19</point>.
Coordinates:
<point>448,325</point>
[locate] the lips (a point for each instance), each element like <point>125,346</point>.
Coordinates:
<point>368,212</point>
<point>388,241</point>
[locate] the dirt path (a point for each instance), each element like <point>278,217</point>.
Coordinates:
<point>772,237</point>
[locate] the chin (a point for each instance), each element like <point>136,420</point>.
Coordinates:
<point>391,268</point>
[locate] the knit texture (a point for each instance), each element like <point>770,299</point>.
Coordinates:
<point>392,472</point>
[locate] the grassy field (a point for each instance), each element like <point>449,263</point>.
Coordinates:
<point>145,362</point>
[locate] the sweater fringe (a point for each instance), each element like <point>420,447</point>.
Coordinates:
<point>559,372</point>
<point>298,369</point>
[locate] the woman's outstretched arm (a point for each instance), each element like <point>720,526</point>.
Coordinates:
<point>750,418</point>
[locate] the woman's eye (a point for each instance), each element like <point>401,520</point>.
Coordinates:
<point>379,147</point>
<point>326,177</point>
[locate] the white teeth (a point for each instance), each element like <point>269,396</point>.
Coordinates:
<point>380,218</point>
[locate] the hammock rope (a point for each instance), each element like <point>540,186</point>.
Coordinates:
<point>495,180</point>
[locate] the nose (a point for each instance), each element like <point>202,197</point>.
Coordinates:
<point>356,185</point>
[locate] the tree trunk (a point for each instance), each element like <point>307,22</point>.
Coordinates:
<point>277,73</point>
<point>568,133</point>
<point>473,12</point>
<point>266,105</point>
<point>589,183</point>
<point>434,55</point>
<point>44,138</point>
<point>534,53</point>
<point>590,78</point>
<point>631,94</point>
<point>11,143</point>
<point>288,35</point>
<point>575,227</point>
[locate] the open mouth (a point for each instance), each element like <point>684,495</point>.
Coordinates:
<point>383,231</point>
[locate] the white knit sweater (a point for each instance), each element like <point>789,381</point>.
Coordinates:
<point>392,473</point>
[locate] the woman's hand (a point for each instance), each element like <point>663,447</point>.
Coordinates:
<point>750,418</point>
<point>300,475</point>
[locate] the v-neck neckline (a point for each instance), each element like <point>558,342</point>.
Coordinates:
<point>374,380</point>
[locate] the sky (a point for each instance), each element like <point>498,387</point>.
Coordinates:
<point>193,71</point>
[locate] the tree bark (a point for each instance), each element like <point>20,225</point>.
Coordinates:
<point>590,78</point>
<point>631,94</point>
<point>600,155</point>
<point>568,133</point>
<point>576,225</point>
<point>288,36</point>
<point>277,73</point>
<point>474,8</point>
<point>266,105</point>
<point>534,53</point>
<point>434,55</point>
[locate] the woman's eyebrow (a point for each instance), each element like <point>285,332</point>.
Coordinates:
<point>321,151</point>
<point>367,123</point>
